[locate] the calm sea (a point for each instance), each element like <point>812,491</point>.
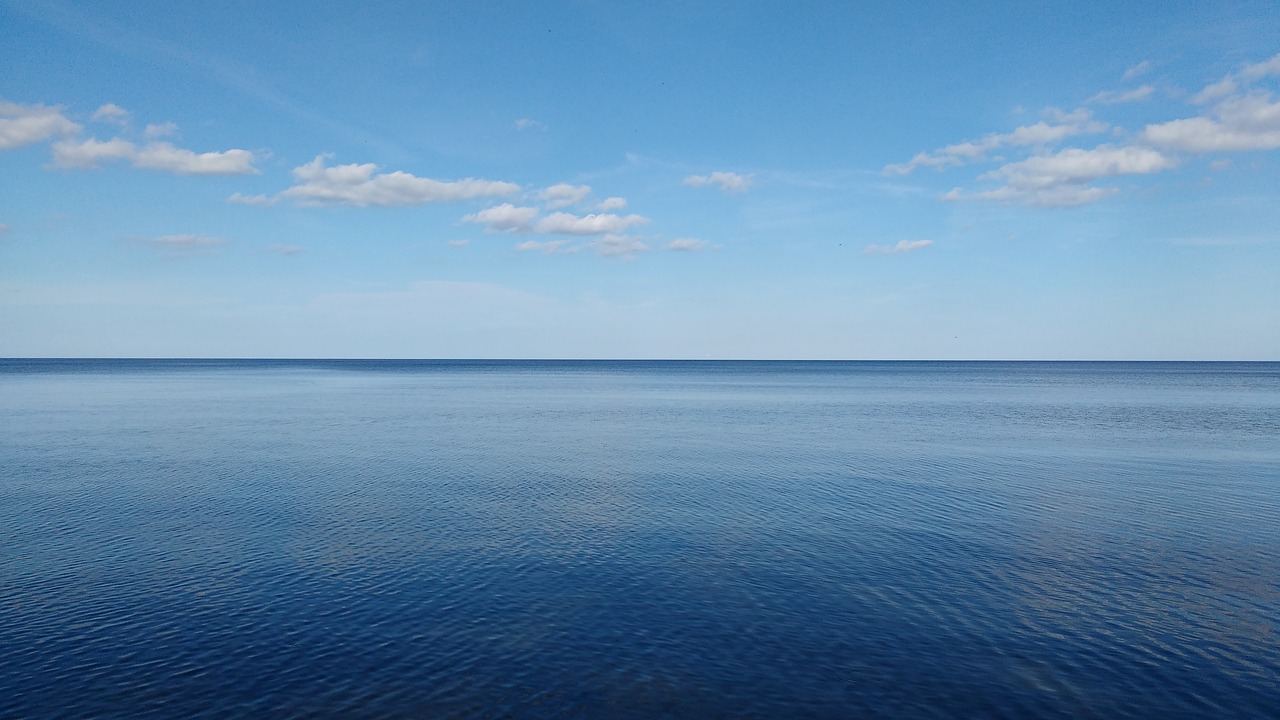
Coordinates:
<point>278,539</point>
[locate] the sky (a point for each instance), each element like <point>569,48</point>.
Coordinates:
<point>817,180</point>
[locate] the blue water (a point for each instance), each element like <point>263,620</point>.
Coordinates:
<point>638,539</point>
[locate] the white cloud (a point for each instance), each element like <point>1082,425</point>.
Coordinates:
<point>1063,178</point>
<point>564,195</point>
<point>1251,122</point>
<point>566,224</point>
<point>156,130</point>
<point>727,181</point>
<point>27,124</point>
<point>1262,69</point>
<point>688,244</point>
<point>459,243</point>
<point>154,156</point>
<point>1215,91</point>
<point>504,218</point>
<point>88,153</point>
<point>1137,70</point>
<point>548,247</point>
<point>1116,97</point>
<point>110,113</point>
<point>362,186</point>
<point>251,199</point>
<point>165,157</point>
<point>617,246</point>
<point>903,246</point>
<point>1063,125</point>
<point>528,123</point>
<point>1074,166</point>
<point>612,203</point>
<point>287,250</point>
<point>1235,82</point>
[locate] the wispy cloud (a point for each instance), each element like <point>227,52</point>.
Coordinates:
<point>167,158</point>
<point>22,125</point>
<point>617,246</point>
<point>1241,116</point>
<point>1236,124</point>
<point>548,247</point>
<point>89,153</point>
<point>528,124</point>
<point>160,156</point>
<point>564,195</point>
<point>287,250</point>
<point>1117,97</point>
<point>903,246</point>
<point>111,113</point>
<point>363,186</point>
<point>562,223</point>
<point>1063,178</point>
<point>612,203</point>
<point>1060,126</point>
<point>240,199</point>
<point>459,243</point>
<point>688,244</point>
<point>183,244</point>
<point>728,182</point>
<point>1138,70</point>
<point>156,130</point>
<point>504,218</point>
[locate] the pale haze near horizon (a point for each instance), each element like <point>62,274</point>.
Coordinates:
<point>640,180</point>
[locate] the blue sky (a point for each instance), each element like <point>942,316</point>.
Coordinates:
<point>1078,180</point>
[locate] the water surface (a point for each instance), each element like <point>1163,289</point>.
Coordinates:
<point>638,539</point>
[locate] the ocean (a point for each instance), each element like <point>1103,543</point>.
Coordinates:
<point>596,539</point>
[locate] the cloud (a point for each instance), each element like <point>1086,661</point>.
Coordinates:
<point>459,243</point>
<point>287,249</point>
<point>504,218</point>
<point>154,156</point>
<point>1064,125</point>
<point>548,247</point>
<point>566,224</point>
<point>564,195</point>
<point>187,242</point>
<point>1215,91</point>
<point>1259,70</point>
<point>612,203</point>
<point>1237,124</point>
<point>251,199</point>
<point>110,113</point>
<point>88,153</point>
<point>167,158</point>
<point>156,130</point>
<point>1109,97</point>
<point>617,246</point>
<point>688,244</point>
<point>1061,196</point>
<point>1062,178</point>
<point>362,186</point>
<point>1234,82</point>
<point>903,246</point>
<point>727,181</point>
<point>1137,70</point>
<point>4,229</point>
<point>529,123</point>
<point>28,124</point>
<point>1075,166</point>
